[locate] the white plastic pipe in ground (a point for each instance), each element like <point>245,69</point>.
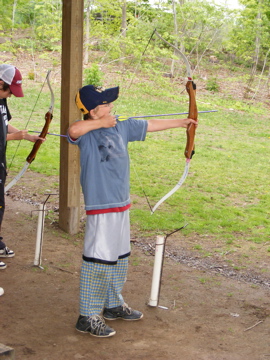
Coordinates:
<point>39,238</point>
<point>159,250</point>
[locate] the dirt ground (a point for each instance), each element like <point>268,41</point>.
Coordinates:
<point>213,312</point>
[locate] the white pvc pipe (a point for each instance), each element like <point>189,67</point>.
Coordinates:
<point>154,296</point>
<point>39,238</point>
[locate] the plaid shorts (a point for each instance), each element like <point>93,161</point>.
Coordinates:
<point>101,286</point>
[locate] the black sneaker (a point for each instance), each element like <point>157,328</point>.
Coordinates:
<point>122,312</point>
<point>94,325</point>
<point>6,252</point>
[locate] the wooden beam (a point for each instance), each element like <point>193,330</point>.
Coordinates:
<point>72,55</point>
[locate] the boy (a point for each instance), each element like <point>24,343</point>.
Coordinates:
<point>10,84</point>
<point>104,159</point>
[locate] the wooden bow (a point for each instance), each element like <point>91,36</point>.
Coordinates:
<point>193,114</point>
<point>31,157</point>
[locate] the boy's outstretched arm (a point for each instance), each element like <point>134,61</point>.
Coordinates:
<point>163,124</point>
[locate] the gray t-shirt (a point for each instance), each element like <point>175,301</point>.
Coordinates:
<point>105,163</point>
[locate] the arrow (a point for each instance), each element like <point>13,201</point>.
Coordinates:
<point>47,133</point>
<point>183,113</point>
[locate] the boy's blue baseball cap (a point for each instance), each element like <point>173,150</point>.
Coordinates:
<point>89,97</point>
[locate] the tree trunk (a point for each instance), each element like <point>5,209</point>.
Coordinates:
<point>256,52</point>
<point>13,13</point>
<point>176,34</point>
<point>124,19</point>
<point>87,33</point>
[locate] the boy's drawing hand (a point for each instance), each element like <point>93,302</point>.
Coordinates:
<point>109,121</point>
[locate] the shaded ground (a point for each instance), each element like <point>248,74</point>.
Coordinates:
<point>214,311</point>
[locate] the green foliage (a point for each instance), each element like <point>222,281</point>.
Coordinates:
<point>93,76</point>
<point>31,75</point>
<point>251,29</point>
<point>203,28</point>
<point>35,24</point>
<point>206,25</point>
<point>212,85</point>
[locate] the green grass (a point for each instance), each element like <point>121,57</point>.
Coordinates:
<point>226,193</point>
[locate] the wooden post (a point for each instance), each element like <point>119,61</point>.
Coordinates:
<point>72,55</point>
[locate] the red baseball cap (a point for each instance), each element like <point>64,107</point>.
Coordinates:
<point>12,76</point>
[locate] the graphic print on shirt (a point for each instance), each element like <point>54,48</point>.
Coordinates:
<point>3,111</point>
<point>110,146</point>
<point>3,133</point>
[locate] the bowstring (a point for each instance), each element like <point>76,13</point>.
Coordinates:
<point>118,37</point>
<point>140,61</point>
<point>32,111</point>
<point>141,185</point>
<point>130,83</point>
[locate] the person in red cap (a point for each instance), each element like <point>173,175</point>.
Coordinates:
<point>10,84</point>
<point>11,79</point>
<point>103,142</point>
